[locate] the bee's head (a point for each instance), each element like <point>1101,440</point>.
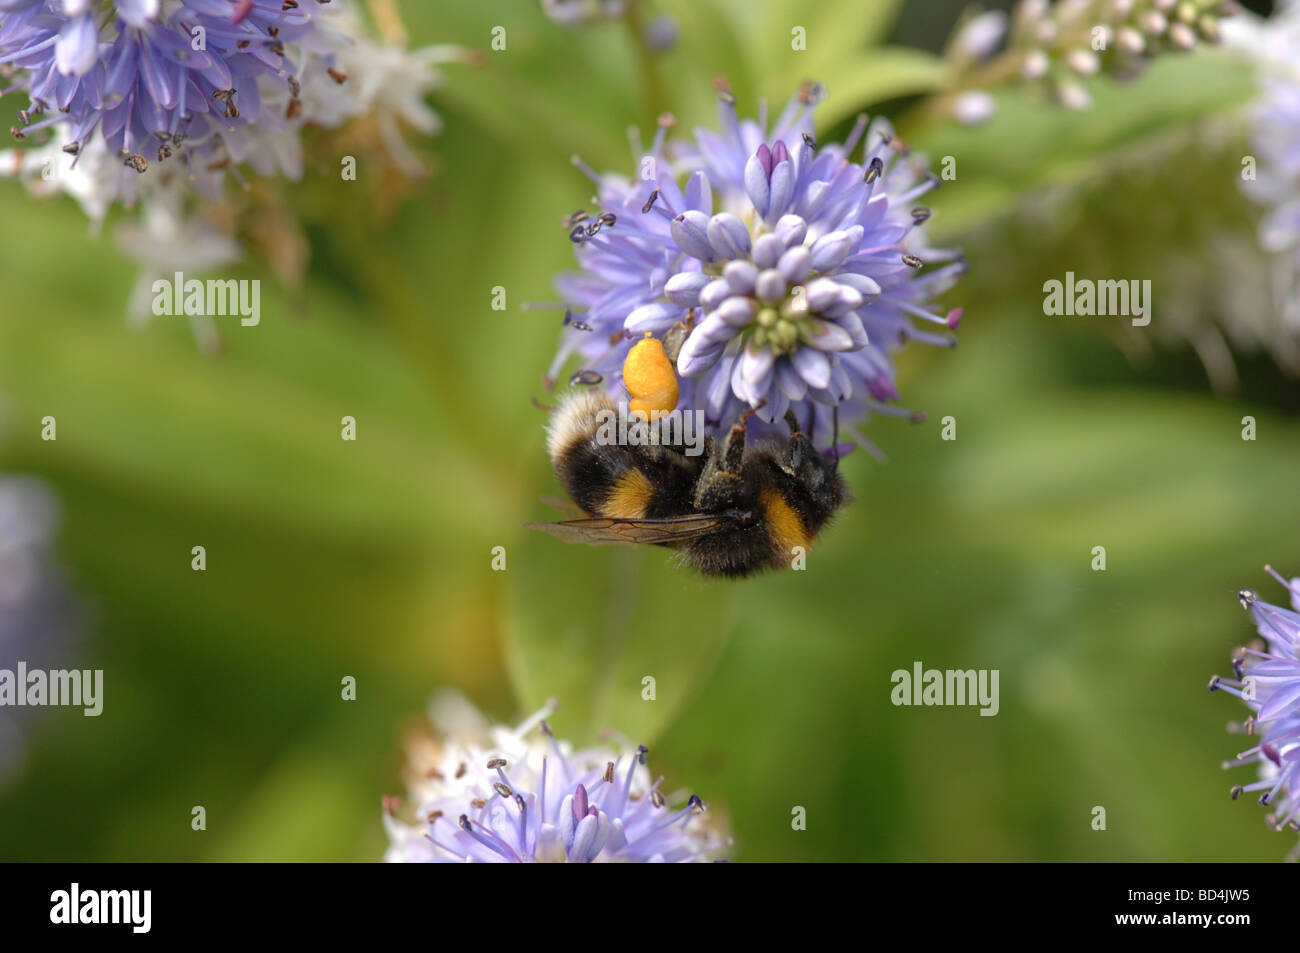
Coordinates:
<point>816,476</point>
<point>805,464</point>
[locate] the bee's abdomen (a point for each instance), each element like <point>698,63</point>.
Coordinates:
<point>604,480</point>
<point>732,555</point>
<point>787,529</point>
<point>772,540</point>
<point>610,479</point>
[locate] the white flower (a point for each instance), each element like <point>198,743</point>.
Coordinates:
<point>498,794</point>
<point>1274,46</point>
<point>39,617</point>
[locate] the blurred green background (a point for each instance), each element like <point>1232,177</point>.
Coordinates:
<point>372,559</point>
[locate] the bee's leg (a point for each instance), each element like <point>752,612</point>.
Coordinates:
<point>733,450</point>
<point>676,336</point>
<point>800,445</point>
<point>791,421</point>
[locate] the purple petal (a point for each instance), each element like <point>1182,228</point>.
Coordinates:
<point>741,276</point>
<point>738,385</point>
<point>568,823</point>
<point>756,366</point>
<point>736,312</point>
<point>791,229</point>
<point>767,250</point>
<point>781,189</point>
<point>882,388</point>
<point>137,12</point>
<point>77,47</point>
<point>713,330</point>
<point>656,317</point>
<point>728,236</point>
<point>688,230</point>
<point>699,194</point>
<point>826,336</point>
<point>159,80</point>
<point>822,293</point>
<point>832,249</point>
<point>846,300</point>
<point>867,287</point>
<point>583,839</point>
<point>770,285</point>
<point>756,185</point>
<point>698,354</point>
<point>1280,701</point>
<point>795,265</point>
<point>718,389</point>
<point>813,366</point>
<point>853,325</point>
<point>715,292</point>
<point>683,289</point>
<point>790,381</point>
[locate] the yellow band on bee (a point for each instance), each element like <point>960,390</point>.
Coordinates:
<point>650,379</point>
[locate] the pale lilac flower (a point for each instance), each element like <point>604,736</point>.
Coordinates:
<point>153,124</point>
<point>974,107</point>
<point>660,34</point>
<point>798,267</point>
<point>979,37</point>
<point>1267,679</point>
<point>518,795</point>
<point>39,618</point>
<point>1273,46</point>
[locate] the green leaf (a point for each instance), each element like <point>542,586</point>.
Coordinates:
<point>1031,143</point>
<point>841,30</point>
<point>872,77</point>
<point>832,29</point>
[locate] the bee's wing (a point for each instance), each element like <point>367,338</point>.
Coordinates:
<point>602,531</point>
<point>566,506</point>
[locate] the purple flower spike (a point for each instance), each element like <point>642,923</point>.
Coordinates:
<point>1267,679</point>
<point>798,268</point>
<point>150,76</point>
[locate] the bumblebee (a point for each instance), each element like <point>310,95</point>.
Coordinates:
<point>733,510</point>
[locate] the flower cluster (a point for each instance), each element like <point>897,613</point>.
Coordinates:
<point>38,618</point>
<point>517,795</point>
<point>1056,45</point>
<point>1273,46</point>
<point>151,104</point>
<point>198,78</point>
<point>795,267</point>
<point>1267,678</point>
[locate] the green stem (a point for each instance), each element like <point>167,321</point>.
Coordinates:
<point>654,95</point>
